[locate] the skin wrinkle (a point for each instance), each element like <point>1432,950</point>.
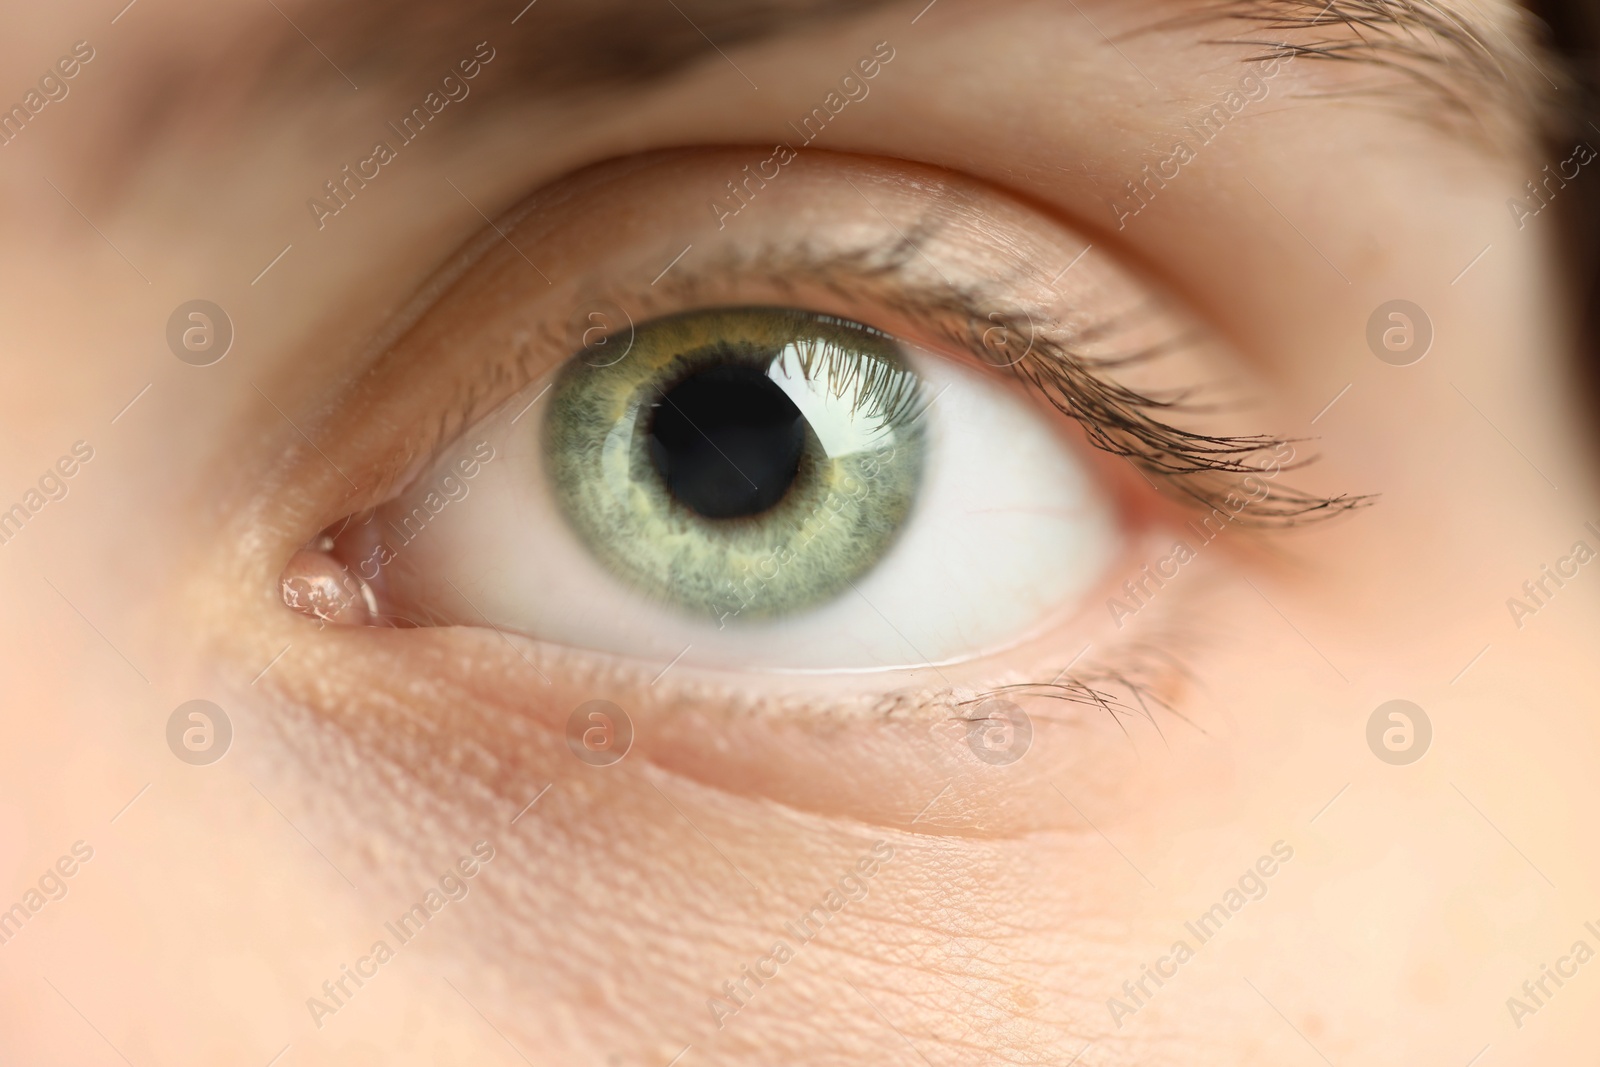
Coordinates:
<point>489,744</point>
<point>480,777</point>
<point>476,780</point>
<point>560,832</point>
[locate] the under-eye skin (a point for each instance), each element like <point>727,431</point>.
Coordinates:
<point>745,463</point>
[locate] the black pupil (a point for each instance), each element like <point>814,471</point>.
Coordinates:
<point>727,441</point>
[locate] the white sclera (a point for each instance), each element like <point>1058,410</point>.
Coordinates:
<point>1009,529</point>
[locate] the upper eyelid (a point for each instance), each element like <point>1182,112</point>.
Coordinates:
<point>1117,419</point>
<point>1200,470</point>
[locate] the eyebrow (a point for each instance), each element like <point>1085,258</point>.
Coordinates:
<point>1446,61</point>
<point>1457,67</point>
<point>555,47</point>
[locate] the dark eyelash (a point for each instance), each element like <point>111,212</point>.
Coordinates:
<point>1201,471</point>
<point>1198,469</point>
<point>1143,678</point>
<point>1195,466</point>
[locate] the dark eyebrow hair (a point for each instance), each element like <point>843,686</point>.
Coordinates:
<point>283,51</point>
<point>1457,68</point>
<point>1481,74</point>
<point>554,46</point>
<point>1476,70</point>
<point>1490,80</point>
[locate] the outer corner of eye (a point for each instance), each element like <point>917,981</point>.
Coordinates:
<point>755,487</point>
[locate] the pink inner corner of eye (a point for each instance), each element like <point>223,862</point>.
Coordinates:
<point>315,584</point>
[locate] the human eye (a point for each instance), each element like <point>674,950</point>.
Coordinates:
<point>832,511</point>
<point>895,423</point>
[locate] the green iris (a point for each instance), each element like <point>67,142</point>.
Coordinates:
<point>747,462</point>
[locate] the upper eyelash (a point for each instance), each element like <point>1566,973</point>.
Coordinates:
<point>1118,419</point>
<point>1200,470</point>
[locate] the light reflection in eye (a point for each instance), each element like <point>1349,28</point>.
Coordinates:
<point>742,464</point>
<point>838,428</point>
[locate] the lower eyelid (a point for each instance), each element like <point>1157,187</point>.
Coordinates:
<point>434,702</point>
<point>875,759</point>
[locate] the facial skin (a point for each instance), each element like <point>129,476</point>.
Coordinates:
<point>993,912</point>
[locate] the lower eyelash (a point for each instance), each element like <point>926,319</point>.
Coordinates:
<point>1201,470</point>
<point>1141,680</point>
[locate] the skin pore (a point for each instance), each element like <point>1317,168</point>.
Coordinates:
<point>1009,913</point>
